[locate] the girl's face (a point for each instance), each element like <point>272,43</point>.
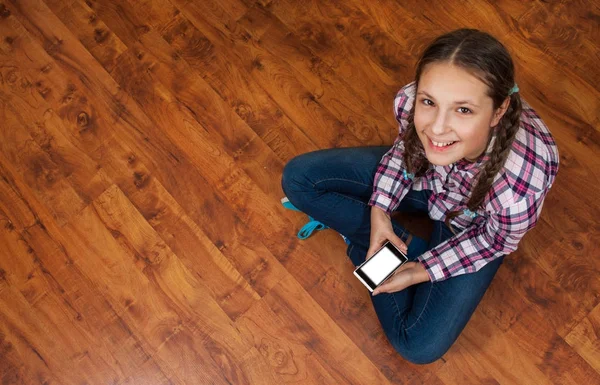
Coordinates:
<point>453,114</point>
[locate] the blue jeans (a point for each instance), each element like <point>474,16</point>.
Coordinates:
<point>422,321</point>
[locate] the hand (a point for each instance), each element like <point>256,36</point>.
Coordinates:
<point>382,231</point>
<point>408,274</point>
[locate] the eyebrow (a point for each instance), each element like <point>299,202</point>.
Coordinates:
<point>456,102</point>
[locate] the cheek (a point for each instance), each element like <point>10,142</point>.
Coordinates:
<point>473,135</point>
<point>422,119</point>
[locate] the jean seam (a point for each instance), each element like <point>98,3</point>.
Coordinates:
<point>422,311</point>
<point>342,179</point>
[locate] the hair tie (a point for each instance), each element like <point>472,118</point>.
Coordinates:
<point>514,89</point>
<point>469,213</point>
<point>407,175</point>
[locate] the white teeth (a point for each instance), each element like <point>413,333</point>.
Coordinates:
<point>438,144</point>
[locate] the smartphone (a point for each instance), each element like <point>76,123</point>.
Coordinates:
<point>380,266</point>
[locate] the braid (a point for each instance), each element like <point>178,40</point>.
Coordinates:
<point>506,132</point>
<point>414,154</point>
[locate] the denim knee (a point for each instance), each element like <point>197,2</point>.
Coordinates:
<point>421,349</point>
<point>293,177</point>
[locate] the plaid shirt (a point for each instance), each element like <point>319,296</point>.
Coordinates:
<point>510,209</point>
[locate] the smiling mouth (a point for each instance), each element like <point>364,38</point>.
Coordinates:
<point>442,144</point>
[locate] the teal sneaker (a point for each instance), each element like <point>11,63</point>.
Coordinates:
<point>312,225</point>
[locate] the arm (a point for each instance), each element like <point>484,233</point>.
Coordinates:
<point>474,247</point>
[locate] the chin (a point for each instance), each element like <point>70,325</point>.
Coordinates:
<point>440,162</point>
<point>441,159</point>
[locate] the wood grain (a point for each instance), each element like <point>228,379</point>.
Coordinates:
<point>142,240</point>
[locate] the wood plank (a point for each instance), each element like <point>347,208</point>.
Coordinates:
<point>30,318</point>
<point>160,157</point>
<point>549,351</point>
<point>311,328</point>
<point>214,274</point>
<point>464,368</point>
<point>372,63</point>
<point>103,329</point>
<point>152,304</point>
<point>566,31</point>
<point>91,31</point>
<point>584,339</point>
<point>344,96</point>
<point>290,361</point>
<point>183,235</point>
<point>220,129</point>
<point>297,98</point>
<point>564,308</point>
<point>235,84</point>
<point>486,342</point>
<point>39,171</point>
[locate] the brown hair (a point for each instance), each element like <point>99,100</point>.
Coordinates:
<point>485,57</point>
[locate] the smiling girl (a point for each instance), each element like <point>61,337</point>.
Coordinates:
<point>472,154</point>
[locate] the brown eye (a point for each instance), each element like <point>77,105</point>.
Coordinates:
<point>427,102</point>
<point>464,110</point>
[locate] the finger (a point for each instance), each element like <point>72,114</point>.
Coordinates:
<point>375,245</point>
<point>399,243</point>
<point>396,283</point>
<point>404,267</point>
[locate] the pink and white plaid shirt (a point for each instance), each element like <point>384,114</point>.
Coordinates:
<point>510,209</point>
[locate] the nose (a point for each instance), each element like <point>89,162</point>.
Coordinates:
<point>439,125</point>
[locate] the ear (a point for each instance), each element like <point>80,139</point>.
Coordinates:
<point>500,112</point>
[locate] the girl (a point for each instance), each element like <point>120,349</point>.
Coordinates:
<point>472,154</point>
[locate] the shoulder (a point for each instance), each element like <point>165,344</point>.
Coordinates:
<point>532,163</point>
<point>404,101</point>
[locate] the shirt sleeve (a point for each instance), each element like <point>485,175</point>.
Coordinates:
<point>476,246</point>
<point>392,182</point>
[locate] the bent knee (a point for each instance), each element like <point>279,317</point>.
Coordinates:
<point>420,350</point>
<point>294,175</point>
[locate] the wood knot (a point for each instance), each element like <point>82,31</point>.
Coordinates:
<point>256,63</point>
<point>140,179</point>
<point>4,12</point>
<point>83,119</point>
<point>53,46</point>
<point>9,40</point>
<point>244,111</point>
<point>9,226</point>
<point>12,77</point>
<point>100,35</point>
<point>367,37</point>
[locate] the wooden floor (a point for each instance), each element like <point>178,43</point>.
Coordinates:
<point>142,239</point>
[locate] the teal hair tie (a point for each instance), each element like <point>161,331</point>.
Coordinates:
<point>407,175</point>
<point>470,213</point>
<point>514,89</point>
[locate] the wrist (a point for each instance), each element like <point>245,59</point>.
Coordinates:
<point>378,211</point>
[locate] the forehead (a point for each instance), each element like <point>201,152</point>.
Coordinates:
<point>449,83</point>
